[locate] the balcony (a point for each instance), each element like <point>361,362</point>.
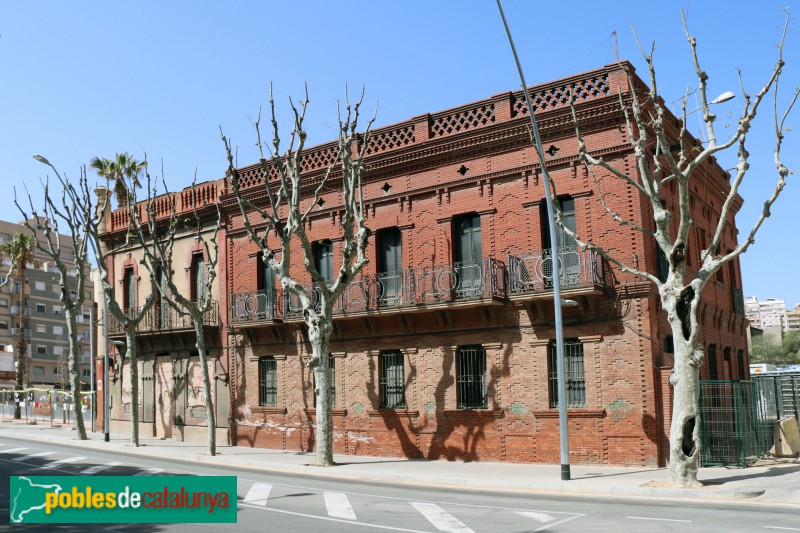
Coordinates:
<point>160,319</point>
<point>448,285</point>
<point>15,310</point>
<point>580,272</point>
<point>15,332</point>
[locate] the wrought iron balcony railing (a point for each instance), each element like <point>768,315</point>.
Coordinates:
<point>163,318</point>
<point>387,290</point>
<point>533,271</point>
<point>260,305</point>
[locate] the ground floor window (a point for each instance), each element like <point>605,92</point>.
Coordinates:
<point>471,377</point>
<point>392,380</point>
<point>267,381</point>
<point>575,377</point>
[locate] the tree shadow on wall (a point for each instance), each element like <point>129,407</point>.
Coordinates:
<point>394,421</point>
<point>472,424</point>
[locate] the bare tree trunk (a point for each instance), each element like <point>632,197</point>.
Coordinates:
<point>130,339</point>
<point>319,330</point>
<point>74,378</point>
<point>684,434</point>
<point>211,419</point>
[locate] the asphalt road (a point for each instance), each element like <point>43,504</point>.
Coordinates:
<point>292,503</point>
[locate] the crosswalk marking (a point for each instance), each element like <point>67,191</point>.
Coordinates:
<point>33,456</point>
<point>98,468</point>
<point>12,450</point>
<point>150,472</point>
<point>338,505</point>
<point>441,519</point>
<point>72,459</point>
<point>258,494</point>
<point>539,517</point>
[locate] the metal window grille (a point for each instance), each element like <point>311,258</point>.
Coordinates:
<point>392,380</point>
<point>662,264</point>
<point>267,381</point>
<point>711,355</point>
<point>574,375</point>
<point>471,378</point>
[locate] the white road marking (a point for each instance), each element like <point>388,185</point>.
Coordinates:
<point>783,528</point>
<point>150,472</point>
<point>33,456</point>
<point>441,519</point>
<point>258,494</point>
<point>658,519</point>
<point>338,505</point>
<point>12,450</point>
<point>542,518</point>
<point>98,468</point>
<point>329,519</point>
<point>64,461</point>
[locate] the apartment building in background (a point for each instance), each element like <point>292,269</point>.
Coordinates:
<point>48,344</point>
<point>793,319</point>
<point>768,313</point>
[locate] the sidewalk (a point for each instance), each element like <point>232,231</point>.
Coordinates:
<point>769,481</point>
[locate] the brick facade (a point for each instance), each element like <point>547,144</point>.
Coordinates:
<point>428,179</point>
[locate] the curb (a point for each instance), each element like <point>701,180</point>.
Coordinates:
<point>783,496</point>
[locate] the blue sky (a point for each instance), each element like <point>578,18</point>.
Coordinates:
<point>82,78</point>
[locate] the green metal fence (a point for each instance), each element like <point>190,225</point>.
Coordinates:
<point>737,421</point>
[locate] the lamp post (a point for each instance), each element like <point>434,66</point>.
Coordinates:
<point>557,301</point>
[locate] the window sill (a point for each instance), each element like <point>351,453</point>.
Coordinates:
<point>334,412</point>
<point>383,412</point>
<point>269,410</point>
<point>571,413</point>
<point>473,413</point>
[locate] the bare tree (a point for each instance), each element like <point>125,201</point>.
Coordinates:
<point>284,213</point>
<point>666,154</point>
<point>79,198</point>
<point>56,214</point>
<point>162,234</point>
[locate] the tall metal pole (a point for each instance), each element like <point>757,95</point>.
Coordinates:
<point>562,392</point>
<point>93,389</point>
<point>105,367</point>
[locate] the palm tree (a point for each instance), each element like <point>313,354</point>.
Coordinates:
<point>20,251</point>
<point>123,169</point>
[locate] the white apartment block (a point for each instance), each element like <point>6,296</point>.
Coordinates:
<point>766,314</point>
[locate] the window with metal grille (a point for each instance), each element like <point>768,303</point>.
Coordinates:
<point>574,376</point>
<point>711,355</point>
<point>471,377</point>
<point>662,264</point>
<point>392,380</point>
<point>267,381</point>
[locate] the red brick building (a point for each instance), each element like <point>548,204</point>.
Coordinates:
<point>443,348</point>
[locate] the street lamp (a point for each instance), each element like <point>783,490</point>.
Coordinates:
<point>557,301</point>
